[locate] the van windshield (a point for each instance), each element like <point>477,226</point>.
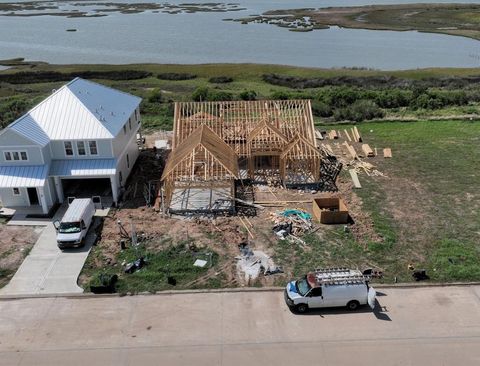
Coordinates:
<point>69,227</point>
<point>302,286</point>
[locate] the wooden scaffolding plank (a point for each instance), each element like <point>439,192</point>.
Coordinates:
<point>387,152</point>
<point>355,180</point>
<point>359,138</point>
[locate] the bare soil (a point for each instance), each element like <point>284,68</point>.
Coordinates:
<point>15,244</point>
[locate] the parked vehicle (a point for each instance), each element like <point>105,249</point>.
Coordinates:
<point>73,228</point>
<point>330,287</point>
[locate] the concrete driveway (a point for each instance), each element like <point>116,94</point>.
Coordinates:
<point>47,269</point>
<point>419,326</point>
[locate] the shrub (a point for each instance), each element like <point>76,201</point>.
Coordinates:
<point>220,80</point>
<point>176,76</point>
<point>321,109</point>
<point>248,95</point>
<point>359,111</point>
<point>155,96</point>
<point>219,95</point>
<point>200,94</point>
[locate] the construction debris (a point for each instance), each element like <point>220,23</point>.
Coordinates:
<point>252,263</point>
<point>387,152</point>
<point>291,222</point>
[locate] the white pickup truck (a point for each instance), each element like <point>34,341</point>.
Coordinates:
<point>330,287</point>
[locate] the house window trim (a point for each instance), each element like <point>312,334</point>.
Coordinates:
<point>90,148</point>
<point>84,148</point>
<point>19,154</point>
<point>128,162</point>
<point>130,124</point>
<point>18,189</point>
<point>71,148</point>
<point>125,129</point>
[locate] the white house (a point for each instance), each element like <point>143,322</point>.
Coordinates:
<point>83,135</point>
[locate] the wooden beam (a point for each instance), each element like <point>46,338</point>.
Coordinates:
<point>348,136</point>
<point>387,152</point>
<point>367,150</point>
<point>355,180</point>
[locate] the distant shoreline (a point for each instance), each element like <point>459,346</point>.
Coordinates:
<point>450,19</point>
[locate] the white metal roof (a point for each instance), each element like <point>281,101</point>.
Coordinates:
<point>76,209</point>
<point>85,167</point>
<point>23,176</point>
<point>80,109</point>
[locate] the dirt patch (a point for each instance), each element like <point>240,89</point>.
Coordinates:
<point>15,244</point>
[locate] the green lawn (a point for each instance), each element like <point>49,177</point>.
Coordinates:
<point>427,212</point>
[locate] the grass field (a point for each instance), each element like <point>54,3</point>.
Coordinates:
<point>427,211</point>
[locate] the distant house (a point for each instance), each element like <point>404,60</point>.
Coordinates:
<point>81,140</point>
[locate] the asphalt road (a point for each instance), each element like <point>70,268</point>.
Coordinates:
<point>423,326</point>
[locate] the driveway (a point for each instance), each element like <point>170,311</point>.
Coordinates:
<point>419,326</point>
<point>47,269</point>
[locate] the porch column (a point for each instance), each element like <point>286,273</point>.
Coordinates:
<point>113,183</point>
<point>43,200</point>
<point>58,188</point>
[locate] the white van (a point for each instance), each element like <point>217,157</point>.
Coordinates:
<point>73,228</point>
<point>330,287</point>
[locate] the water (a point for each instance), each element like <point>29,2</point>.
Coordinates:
<point>205,38</point>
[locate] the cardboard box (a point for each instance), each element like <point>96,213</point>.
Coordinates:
<point>330,210</point>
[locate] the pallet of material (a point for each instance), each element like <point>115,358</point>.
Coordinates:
<point>367,151</point>
<point>318,135</point>
<point>387,152</point>
<point>355,180</point>
<point>330,210</point>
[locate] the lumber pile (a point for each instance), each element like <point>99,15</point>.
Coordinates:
<point>367,151</point>
<point>351,150</point>
<point>348,136</point>
<point>356,135</point>
<point>387,152</point>
<point>368,168</point>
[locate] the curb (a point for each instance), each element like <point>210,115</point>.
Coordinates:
<point>88,295</point>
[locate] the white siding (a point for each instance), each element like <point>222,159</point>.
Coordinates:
<point>10,200</point>
<point>132,151</point>
<point>34,155</point>
<point>103,148</point>
<point>122,139</point>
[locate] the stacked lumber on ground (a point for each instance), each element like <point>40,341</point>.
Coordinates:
<point>318,135</point>
<point>348,136</point>
<point>332,135</point>
<point>356,135</point>
<point>367,151</point>
<point>387,152</point>
<point>351,150</point>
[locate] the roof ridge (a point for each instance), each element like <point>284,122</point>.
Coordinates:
<point>104,86</point>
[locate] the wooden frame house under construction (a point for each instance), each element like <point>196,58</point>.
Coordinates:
<point>218,144</point>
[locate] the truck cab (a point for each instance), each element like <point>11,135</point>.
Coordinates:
<point>330,287</point>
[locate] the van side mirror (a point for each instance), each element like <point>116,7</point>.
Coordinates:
<point>56,224</point>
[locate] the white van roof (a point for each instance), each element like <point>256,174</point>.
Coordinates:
<point>76,209</point>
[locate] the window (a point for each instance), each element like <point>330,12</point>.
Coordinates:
<point>120,177</point>
<point>128,162</point>
<point>15,155</point>
<point>93,147</point>
<point>136,114</point>
<point>68,148</point>
<point>317,291</point>
<point>130,123</point>
<point>16,191</point>
<point>125,128</point>
<point>81,148</point>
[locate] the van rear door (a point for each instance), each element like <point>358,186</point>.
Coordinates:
<point>371,297</point>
